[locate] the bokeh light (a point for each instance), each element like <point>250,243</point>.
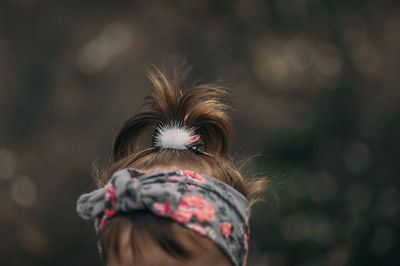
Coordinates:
<point>316,94</point>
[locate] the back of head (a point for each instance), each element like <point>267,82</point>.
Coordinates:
<point>203,110</point>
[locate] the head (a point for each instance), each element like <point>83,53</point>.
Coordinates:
<point>143,238</point>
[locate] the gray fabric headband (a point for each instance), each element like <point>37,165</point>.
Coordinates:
<point>198,202</point>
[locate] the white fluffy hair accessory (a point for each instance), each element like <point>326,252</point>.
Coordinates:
<point>175,136</point>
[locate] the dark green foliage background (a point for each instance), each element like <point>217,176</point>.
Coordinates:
<point>316,91</point>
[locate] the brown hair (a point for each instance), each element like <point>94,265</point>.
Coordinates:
<point>202,107</point>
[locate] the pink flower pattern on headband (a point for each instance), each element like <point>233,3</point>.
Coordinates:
<point>194,176</point>
<point>177,178</point>
<point>198,202</point>
<point>163,208</point>
<point>225,229</point>
<point>110,194</point>
<point>190,205</point>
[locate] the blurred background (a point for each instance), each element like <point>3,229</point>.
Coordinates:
<point>316,86</point>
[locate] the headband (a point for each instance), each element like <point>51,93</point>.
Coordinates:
<point>198,202</point>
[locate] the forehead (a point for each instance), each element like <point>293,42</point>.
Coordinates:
<point>203,250</point>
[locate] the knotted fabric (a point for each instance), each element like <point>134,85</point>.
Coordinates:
<point>198,202</point>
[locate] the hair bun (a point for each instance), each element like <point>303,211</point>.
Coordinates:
<point>199,110</point>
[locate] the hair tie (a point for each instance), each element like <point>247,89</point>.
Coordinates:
<point>198,202</point>
<point>176,136</point>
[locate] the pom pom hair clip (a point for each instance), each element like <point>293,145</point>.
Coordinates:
<point>175,136</point>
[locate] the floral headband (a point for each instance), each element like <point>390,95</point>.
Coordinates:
<point>198,202</point>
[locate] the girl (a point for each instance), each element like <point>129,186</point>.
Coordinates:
<point>179,200</point>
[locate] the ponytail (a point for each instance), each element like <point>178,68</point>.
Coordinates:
<point>202,107</point>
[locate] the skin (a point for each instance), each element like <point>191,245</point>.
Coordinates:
<point>204,251</point>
